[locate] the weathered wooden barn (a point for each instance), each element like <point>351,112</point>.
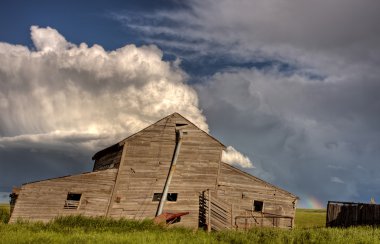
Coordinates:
<point>171,158</point>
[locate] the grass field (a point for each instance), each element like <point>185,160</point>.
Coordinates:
<point>309,218</point>
<point>309,229</point>
<point>4,213</point>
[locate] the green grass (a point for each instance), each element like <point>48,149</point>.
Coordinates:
<point>310,218</point>
<point>4,213</point>
<point>77,229</point>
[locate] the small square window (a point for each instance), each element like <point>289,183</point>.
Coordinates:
<point>171,197</point>
<point>72,200</point>
<point>156,197</point>
<point>258,206</point>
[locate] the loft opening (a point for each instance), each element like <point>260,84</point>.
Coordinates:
<point>170,197</point>
<point>72,200</point>
<point>258,206</point>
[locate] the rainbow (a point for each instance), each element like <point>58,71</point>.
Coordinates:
<point>311,202</point>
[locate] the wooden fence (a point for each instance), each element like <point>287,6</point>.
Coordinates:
<point>214,213</point>
<point>344,214</point>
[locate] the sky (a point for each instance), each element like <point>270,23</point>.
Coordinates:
<point>290,86</point>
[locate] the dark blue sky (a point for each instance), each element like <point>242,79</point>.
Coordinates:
<point>78,21</point>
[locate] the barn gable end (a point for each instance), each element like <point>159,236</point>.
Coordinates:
<point>145,166</point>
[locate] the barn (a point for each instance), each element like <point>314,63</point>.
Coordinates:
<point>171,158</point>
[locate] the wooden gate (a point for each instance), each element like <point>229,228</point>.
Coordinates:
<point>214,213</point>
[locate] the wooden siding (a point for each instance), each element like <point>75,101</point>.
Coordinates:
<point>145,166</point>
<point>241,189</point>
<point>44,200</point>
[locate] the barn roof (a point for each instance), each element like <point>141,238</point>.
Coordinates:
<point>66,176</point>
<point>117,146</point>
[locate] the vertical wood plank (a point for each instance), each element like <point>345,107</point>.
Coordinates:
<point>209,210</point>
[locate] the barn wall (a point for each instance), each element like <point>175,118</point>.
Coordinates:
<point>44,200</point>
<point>241,189</point>
<point>145,166</point>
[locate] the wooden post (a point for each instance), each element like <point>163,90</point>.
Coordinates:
<point>327,214</point>
<point>209,211</point>
<point>117,180</point>
<point>294,214</point>
<point>232,216</point>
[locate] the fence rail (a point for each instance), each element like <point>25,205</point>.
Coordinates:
<point>71,204</point>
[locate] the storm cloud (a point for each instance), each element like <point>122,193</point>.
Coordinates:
<point>298,91</point>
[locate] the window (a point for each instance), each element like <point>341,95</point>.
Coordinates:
<point>72,200</point>
<point>156,197</point>
<point>258,206</point>
<point>177,125</point>
<point>171,197</point>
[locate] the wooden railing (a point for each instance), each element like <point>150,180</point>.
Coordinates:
<point>214,214</point>
<point>71,204</point>
<point>263,220</point>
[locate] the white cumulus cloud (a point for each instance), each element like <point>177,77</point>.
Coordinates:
<point>66,95</point>
<point>232,156</point>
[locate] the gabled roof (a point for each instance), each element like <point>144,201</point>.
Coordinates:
<point>66,176</point>
<point>258,179</point>
<point>122,142</point>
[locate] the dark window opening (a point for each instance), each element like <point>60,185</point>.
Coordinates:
<point>171,197</point>
<point>258,206</point>
<point>180,124</point>
<point>72,200</point>
<point>156,197</point>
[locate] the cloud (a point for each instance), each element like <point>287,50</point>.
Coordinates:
<point>63,90</point>
<point>336,180</point>
<point>231,156</point>
<point>4,197</point>
<point>311,110</point>
<point>62,96</point>
<point>48,39</point>
<point>293,31</point>
<point>300,129</point>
